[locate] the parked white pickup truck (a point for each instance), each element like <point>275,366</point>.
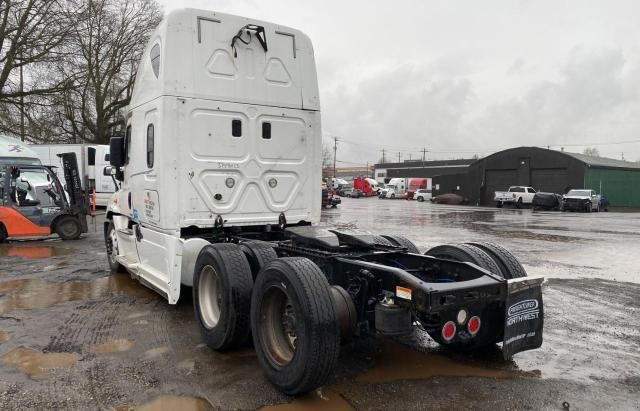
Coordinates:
<point>516,195</point>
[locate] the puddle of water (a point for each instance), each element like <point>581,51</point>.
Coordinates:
<point>4,336</point>
<point>37,293</point>
<point>118,345</point>
<point>155,352</point>
<point>32,253</point>
<point>398,362</point>
<point>174,402</point>
<point>36,364</point>
<point>317,400</point>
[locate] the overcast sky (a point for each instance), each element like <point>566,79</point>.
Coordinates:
<point>467,77</point>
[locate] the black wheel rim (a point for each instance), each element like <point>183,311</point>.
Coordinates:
<point>279,326</point>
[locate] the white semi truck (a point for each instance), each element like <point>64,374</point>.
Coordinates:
<point>220,166</point>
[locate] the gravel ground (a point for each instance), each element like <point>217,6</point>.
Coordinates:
<point>72,336</point>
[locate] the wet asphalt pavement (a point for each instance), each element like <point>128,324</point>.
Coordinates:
<point>72,336</point>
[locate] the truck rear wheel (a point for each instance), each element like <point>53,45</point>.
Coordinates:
<point>509,265</point>
<point>258,255</point>
<point>68,227</point>
<point>222,285</point>
<point>466,253</point>
<point>519,203</point>
<point>294,325</point>
<point>489,333</point>
<point>402,242</point>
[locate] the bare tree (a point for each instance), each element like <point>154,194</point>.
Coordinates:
<point>591,151</point>
<point>32,34</point>
<point>109,40</point>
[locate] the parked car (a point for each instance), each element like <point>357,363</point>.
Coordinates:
<point>449,198</point>
<point>422,194</point>
<point>581,200</point>
<point>344,191</point>
<point>516,195</point>
<point>355,193</point>
<point>546,201</point>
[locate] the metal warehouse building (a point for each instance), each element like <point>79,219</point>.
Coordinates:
<point>552,171</point>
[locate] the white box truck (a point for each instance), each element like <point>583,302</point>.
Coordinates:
<point>92,159</point>
<point>220,166</point>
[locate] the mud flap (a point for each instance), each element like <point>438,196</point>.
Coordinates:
<point>523,317</point>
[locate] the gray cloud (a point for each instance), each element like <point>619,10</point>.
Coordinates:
<point>467,76</point>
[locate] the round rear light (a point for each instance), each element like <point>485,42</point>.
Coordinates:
<point>449,331</point>
<point>474,325</point>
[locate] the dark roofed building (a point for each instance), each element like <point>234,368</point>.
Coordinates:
<point>417,168</point>
<point>553,171</point>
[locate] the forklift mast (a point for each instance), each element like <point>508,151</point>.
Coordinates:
<point>77,200</point>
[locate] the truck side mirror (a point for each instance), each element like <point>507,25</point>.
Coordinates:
<point>116,151</point>
<point>108,171</point>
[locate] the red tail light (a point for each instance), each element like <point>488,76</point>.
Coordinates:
<point>448,331</point>
<point>474,325</point>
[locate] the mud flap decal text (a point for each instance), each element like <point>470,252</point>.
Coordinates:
<point>524,316</point>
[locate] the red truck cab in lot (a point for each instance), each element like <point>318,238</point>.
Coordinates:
<point>365,185</point>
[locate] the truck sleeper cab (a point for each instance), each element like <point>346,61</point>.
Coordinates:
<point>219,167</point>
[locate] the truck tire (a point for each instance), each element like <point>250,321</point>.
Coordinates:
<point>393,196</point>
<point>3,234</point>
<point>519,203</point>
<point>222,285</point>
<point>509,266</point>
<point>68,228</point>
<point>111,243</point>
<point>402,242</point>
<point>589,207</point>
<point>466,253</point>
<point>420,199</point>
<point>499,204</point>
<point>378,239</point>
<point>258,254</point>
<point>294,325</point>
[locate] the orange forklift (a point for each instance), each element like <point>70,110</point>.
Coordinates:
<point>34,203</point>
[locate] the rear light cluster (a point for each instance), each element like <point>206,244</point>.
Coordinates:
<point>450,328</point>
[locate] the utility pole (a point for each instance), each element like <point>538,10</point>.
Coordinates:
<point>335,149</point>
<point>367,169</point>
<point>398,156</point>
<point>21,102</point>
<point>623,156</point>
<point>383,156</point>
<point>424,154</point>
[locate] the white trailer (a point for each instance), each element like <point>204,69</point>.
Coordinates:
<point>220,166</point>
<point>92,159</point>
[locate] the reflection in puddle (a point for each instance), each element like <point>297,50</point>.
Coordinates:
<point>4,336</point>
<point>32,253</point>
<point>36,364</point>
<point>37,293</point>
<point>317,400</point>
<point>398,362</point>
<point>175,402</point>
<point>119,345</point>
